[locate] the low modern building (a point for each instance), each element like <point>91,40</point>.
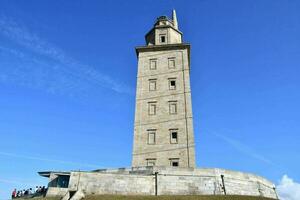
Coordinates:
<point>157,181</point>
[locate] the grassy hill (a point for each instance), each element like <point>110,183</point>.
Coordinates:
<point>205,197</point>
<point>228,197</point>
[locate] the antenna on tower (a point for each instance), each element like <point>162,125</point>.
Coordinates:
<point>174,18</point>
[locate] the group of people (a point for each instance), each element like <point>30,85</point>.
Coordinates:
<point>39,190</point>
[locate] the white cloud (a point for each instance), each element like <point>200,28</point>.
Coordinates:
<point>288,189</point>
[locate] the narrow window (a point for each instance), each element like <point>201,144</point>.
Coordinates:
<point>153,63</point>
<point>151,162</point>
<point>152,84</point>
<point>162,38</point>
<point>173,136</point>
<point>171,63</point>
<point>151,136</point>
<point>152,108</point>
<point>174,162</point>
<point>173,107</point>
<point>172,84</point>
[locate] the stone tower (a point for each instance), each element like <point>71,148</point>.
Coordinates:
<point>163,129</point>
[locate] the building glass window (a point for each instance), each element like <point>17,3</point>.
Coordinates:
<point>173,136</point>
<point>173,107</point>
<point>61,181</point>
<point>151,136</point>
<point>153,63</point>
<point>174,162</point>
<point>152,84</point>
<point>172,84</point>
<point>152,108</point>
<point>171,63</point>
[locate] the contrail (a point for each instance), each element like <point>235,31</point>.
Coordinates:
<point>9,181</point>
<point>48,160</point>
<point>243,148</point>
<point>247,150</point>
<point>71,70</point>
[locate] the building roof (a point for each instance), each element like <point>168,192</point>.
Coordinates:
<point>47,173</point>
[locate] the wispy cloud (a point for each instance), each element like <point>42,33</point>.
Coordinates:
<point>18,182</point>
<point>46,60</point>
<point>27,70</point>
<point>243,148</point>
<point>288,189</point>
<point>79,164</point>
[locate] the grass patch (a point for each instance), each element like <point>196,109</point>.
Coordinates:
<point>129,197</point>
<point>192,197</point>
<point>38,198</point>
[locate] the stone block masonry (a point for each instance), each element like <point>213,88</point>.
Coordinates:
<point>163,157</point>
<point>163,128</point>
<point>168,181</point>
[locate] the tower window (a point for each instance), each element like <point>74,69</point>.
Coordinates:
<point>152,84</point>
<point>171,63</point>
<point>152,108</point>
<point>174,162</point>
<point>172,84</point>
<point>173,107</point>
<point>151,161</point>
<point>174,136</point>
<point>153,63</point>
<point>162,38</point>
<point>151,136</point>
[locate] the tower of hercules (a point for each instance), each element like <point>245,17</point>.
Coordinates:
<point>163,128</point>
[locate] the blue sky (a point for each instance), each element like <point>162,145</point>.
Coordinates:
<point>68,77</point>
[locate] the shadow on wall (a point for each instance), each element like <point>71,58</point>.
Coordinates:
<point>61,181</point>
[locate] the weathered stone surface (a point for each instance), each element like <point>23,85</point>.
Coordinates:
<point>162,179</point>
<point>172,63</point>
<point>55,191</point>
<point>170,181</point>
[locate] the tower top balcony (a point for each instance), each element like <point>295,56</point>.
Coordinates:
<point>165,31</point>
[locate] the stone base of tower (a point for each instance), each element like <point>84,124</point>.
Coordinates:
<point>159,181</point>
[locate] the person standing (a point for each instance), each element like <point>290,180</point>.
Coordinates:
<point>14,193</point>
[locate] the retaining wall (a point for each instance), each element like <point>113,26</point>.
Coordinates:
<point>171,181</point>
